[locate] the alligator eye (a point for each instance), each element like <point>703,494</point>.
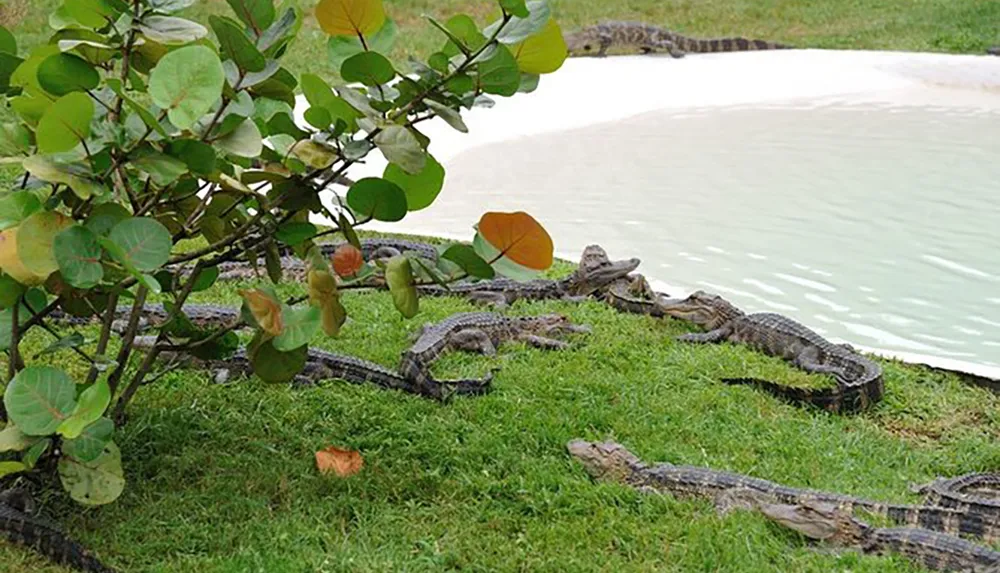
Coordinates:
<point>586,47</point>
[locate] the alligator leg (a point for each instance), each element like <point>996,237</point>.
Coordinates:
<point>543,342</point>
<point>19,499</point>
<point>717,335</point>
<point>473,340</point>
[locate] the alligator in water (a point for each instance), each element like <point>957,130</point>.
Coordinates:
<point>20,523</point>
<point>613,462</point>
<point>644,38</point>
<point>859,380</point>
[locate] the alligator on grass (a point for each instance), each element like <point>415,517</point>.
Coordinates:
<point>640,38</point>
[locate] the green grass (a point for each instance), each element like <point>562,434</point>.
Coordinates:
<point>222,478</point>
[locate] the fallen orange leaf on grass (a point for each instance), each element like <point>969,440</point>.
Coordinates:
<point>341,462</point>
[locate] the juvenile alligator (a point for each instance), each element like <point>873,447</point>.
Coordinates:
<point>613,462</point>
<point>321,365</point>
<point>644,38</point>
<point>20,523</point>
<point>481,332</point>
<point>859,380</point>
<point>633,294</point>
<point>827,522</point>
<point>155,314</point>
<point>977,492</point>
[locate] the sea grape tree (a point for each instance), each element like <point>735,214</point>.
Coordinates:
<point>150,149</point>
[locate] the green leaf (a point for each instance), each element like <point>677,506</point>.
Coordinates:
<point>197,155</point>
<point>79,257</point>
<point>256,14</point>
<point>187,82</point>
<point>301,326</point>
<point>284,28</point>
<point>170,30</point>
<point>235,44</point>
<point>368,68</point>
<point>461,28</point>
<point>39,398</point>
<point>104,217</point>
<point>74,340</point>
<point>74,175</point>
<point>9,63</point>
<point>15,139</point>
<point>319,94</point>
<point>61,74</point>
<point>10,291</point>
<point>339,48</point>
<point>272,365</point>
<point>469,261</point>
<point>13,440</point>
<point>318,117</point>
<point>450,116</point>
<point>35,452</point>
<point>519,29</point>
<point>515,7</point>
<point>421,188</point>
<point>244,141</point>
<point>16,207</point>
<point>377,198</point>
<point>91,13</point>
<point>295,232</point>
<point>9,468</point>
<point>89,445</point>
<point>206,278</point>
<point>170,5</point>
<point>144,114</point>
<point>35,238</point>
<point>401,147</point>
<point>97,482</point>
<point>145,243</point>
<point>89,408</point>
<point>65,123</point>
<point>500,75</point>
<point>162,169</point>
<point>399,276</point>
<point>8,45</point>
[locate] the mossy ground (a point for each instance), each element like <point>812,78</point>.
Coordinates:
<point>222,478</point>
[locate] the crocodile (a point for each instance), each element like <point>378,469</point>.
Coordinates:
<point>323,365</point>
<point>481,332</point>
<point>859,379</point>
<point>154,314</point>
<point>21,523</point>
<point>644,38</point>
<point>611,461</point>
<point>591,277</point>
<point>831,524</point>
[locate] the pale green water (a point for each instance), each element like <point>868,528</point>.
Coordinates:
<point>876,225</point>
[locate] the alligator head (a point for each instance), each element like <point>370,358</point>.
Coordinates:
<point>709,311</point>
<point>604,460</point>
<point>597,271</point>
<point>586,42</point>
<point>552,324</point>
<point>815,520</point>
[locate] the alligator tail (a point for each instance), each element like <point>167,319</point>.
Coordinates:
<point>736,44</point>
<point>831,399</point>
<point>57,547</point>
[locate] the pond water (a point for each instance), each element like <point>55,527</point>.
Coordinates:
<point>872,220</point>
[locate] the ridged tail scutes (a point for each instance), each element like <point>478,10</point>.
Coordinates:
<point>57,547</point>
<point>735,44</point>
<point>831,399</point>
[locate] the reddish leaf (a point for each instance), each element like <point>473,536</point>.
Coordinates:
<point>343,463</point>
<point>265,310</point>
<point>519,237</point>
<point>347,259</point>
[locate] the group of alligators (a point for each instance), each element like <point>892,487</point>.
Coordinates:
<point>930,533</point>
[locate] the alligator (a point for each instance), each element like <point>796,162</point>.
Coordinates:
<point>21,523</point>
<point>829,523</point>
<point>481,332</point>
<point>644,38</point>
<point>611,461</point>
<point>979,492</point>
<point>322,365</point>
<point>633,294</point>
<point>154,314</point>
<point>993,51</point>
<point>593,275</point>
<point>859,379</point>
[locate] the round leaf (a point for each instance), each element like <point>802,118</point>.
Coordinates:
<point>347,260</point>
<point>257,14</point>
<point>145,243</point>
<point>171,30</point>
<point>300,328</point>
<point>368,68</point>
<point>469,261</point>
<point>79,257</point>
<point>377,198</point>
<point>500,75</point>
<point>272,365</point>
<point>35,238</point>
<point>421,188</point>
<point>61,74</point>
<point>401,147</point>
<point>92,403</point>
<point>265,310</point>
<point>519,237</point>
<point>206,278</point>
<point>10,261</point>
<point>89,445</point>
<point>294,232</point>
<point>187,82</point>
<point>39,398</point>
<point>13,440</point>
<point>542,53</point>
<point>8,468</point>
<point>244,141</point>
<point>16,207</point>
<point>399,276</point>
<point>65,123</point>
<point>235,44</point>
<point>104,217</point>
<point>97,482</point>
<point>339,48</point>
<point>8,45</point>
<point>350,17</point>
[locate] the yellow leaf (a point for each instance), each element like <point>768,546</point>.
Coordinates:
<point>11,264</point>
<point>265,310</point>
<point>323,293</point>
<point>343,463</point>
<point>350,17</point>
<point>542,53</point>
<point>519,237</point>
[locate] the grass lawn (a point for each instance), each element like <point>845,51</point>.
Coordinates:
<point>222,478</point>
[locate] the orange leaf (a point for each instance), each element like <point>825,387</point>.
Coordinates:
<point>350,17</point>
<point>344,463</point>
<point>265,310</point>
<point>347,259</point>
<point>519,237</point>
